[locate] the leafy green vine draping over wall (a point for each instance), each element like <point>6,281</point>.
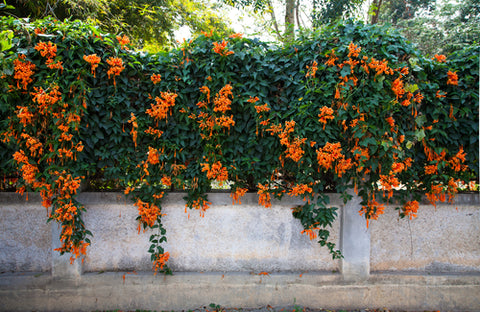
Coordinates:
<point>351,107</point>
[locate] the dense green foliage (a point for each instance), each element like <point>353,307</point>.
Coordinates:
<point>353,106</point>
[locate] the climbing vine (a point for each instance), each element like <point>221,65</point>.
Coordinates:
<point>353,107</point>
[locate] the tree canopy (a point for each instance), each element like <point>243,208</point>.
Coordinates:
<point>149,23</point>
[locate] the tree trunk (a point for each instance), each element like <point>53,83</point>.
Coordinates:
<point>375,10</point>
<point>289,20</point>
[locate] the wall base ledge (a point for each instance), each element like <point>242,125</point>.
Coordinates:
<point>190,290</point>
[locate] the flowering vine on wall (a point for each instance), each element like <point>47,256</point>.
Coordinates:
<point>335,111</point>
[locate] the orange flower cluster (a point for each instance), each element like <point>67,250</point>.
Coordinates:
<point>435,194</point>
<point>239,192</point>
<point>452,78</point>
<point>66,184</point>
<point>311,232</point>
<point>116,67</point>
<point>49,50</point>
<point>33,144</point>
<point>236,35</point>
<point>440,58</point>
<point>372,210</point>
<point>262,108</point>
<point>133,121</point>
<point>154,132</point>
<point>397,87</point>
<point>311,71</point>
<point>153,156</point>
<point>328,154</point>
<point>222,99</point>
<point>148,213</point>
<point>293,146</point>
<point>93,60</point>
<point>23,71</point>
<point>28,170</point>
<point>264,195</point>
<point>353,50</point>
<point>160,262</point>
<point>222,104</point>
<point>162,106</point>
<point>326,113</point>
<point>123,41</point>
<point>221,48</point>
<point>215,171</point>
<point>166,181</point>
<point>200,204</point>
<point>331,58</point>
<point>46,100</point>
<point>156,78</point>
<point>24,115</point>
<point>300,189</point>
<point>389,183</point>
<point>410,209</point>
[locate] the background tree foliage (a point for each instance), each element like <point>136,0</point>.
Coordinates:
<point>150,24</point>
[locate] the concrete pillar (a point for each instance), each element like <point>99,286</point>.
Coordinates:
<point>61,267</point>
<point>354,242</point>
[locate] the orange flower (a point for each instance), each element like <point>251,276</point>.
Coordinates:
<point>156,78</point>
<point>372,210</point>
<point>253,99</point>
<point>200,204</point>
<point>440,95</point>
<point>205,90</point>
<point>327,155</point>
<point>216,171</point>
<point>123,40</point>
<point>237,35</point>
<point>410,209</point>
<point>148,212</point>
<point>222,99</point>
<point>153,156</point>
<point>331,58</point>
<point>397,167</point>
<point>353,50</point>
<point>452,78</point>
<point>263,196</point>
<point>162,106</point>
<point>93,60</point>
<point>116,67</point>
<point>221,48</point>
<point>397,87</point>
<point>300,189</point>
<point>160,262</point>
<point>294,151</point>
<point>133,121</point>
<point>311,232</point>
<point>167,181</point>
<point>312,70</point>
<point>326,113</point>
<point>440,58</point>
<point>48,50</point>
<point>262,108</point>
<point>225,121</point>
<point>154,132</point>
<point>418,98</point>
<point>239,192</point>
<point>388,183</point>
<point>436,193</point>
<point>24,115</point>
<point>23,71</point>
<point>431,169</point>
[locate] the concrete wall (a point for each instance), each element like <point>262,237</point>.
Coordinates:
<point>433,260</point>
